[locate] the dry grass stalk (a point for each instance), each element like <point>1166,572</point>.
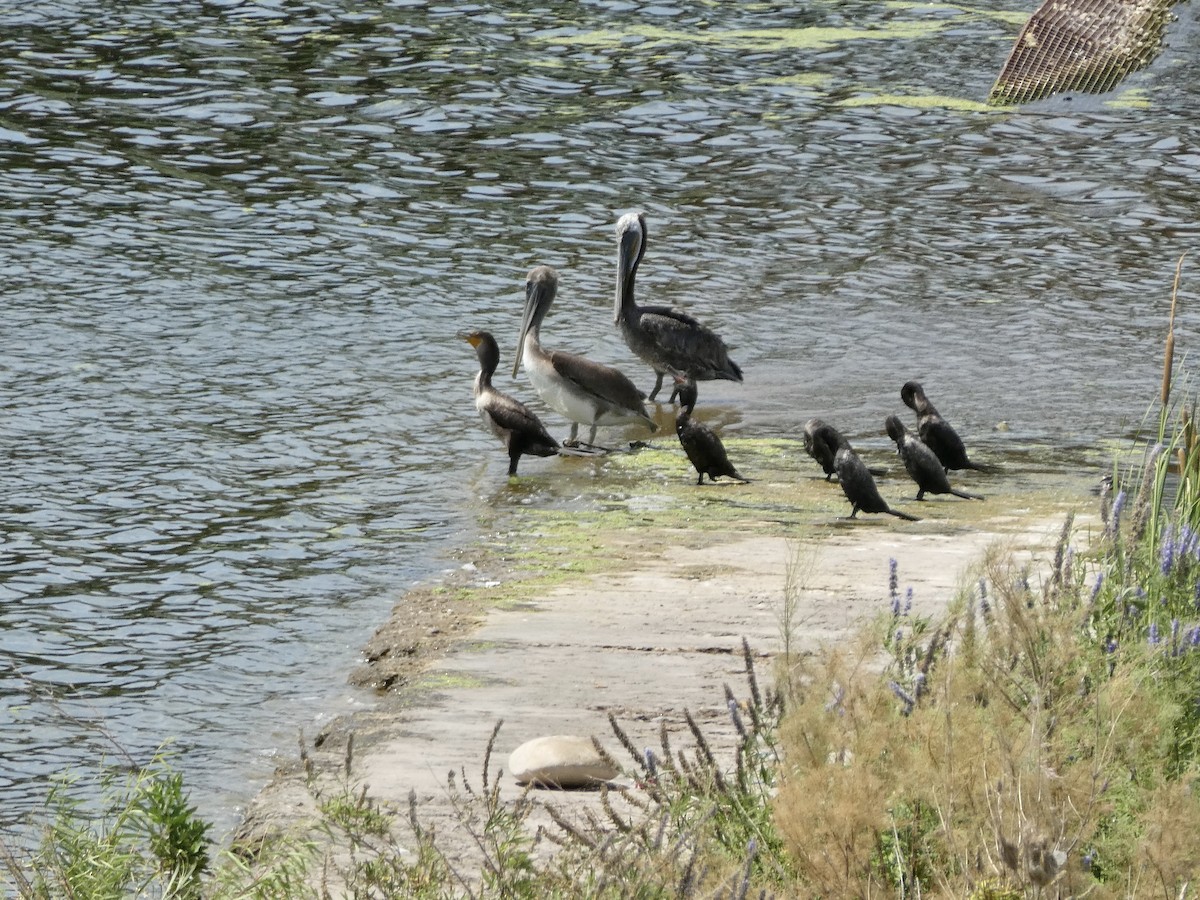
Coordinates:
<point>1014,754</point>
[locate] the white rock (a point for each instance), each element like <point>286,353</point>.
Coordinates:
<point>559,760</point>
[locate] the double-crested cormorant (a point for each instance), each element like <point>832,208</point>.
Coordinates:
<point>935,431</point>
<point>922,465</point>
<point>668,340</point>
<point>701,444</point>
<point>855,478</point>
<point>518,428</point>
<point>585,392</point>
<point>824,449</point>
<point>820,448</point>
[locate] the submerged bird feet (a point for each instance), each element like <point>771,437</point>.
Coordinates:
<point>579,448</point>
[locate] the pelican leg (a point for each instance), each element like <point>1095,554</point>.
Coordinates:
<point>592,437</point>
<point>658,387</point>
<point>573,438</point>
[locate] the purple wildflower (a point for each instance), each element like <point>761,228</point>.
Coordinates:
<point>1153,634</point>
<point>905,697</point>
<point>1097,586</point>
<point>982,589</point>
<point>1118,506</point>
<point>1194,637</point>
<point>1111,646</point>
<point>737,718</point>
<point>1088,859</point>
<point>651,762</point>
<point>1168,550</point>
<point>835,703</point>
<point>1186,545</point>
<point>899,635</point>
<point>894,581</point>
<point>908,595</point>
<point>1174,637</point>
<point>919,684</point>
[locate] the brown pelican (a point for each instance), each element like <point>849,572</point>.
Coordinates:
<point>701,444</point>
<point>586,392</point>
<point>921,463</point>
<point>855,478</point>
<point>510,420</point>
<point>936,431</point>
<point>665,338</point>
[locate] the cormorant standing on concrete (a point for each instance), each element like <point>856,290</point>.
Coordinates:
<point>518,428</point>
<point>823,451</point>
<point>820,450</point>
<point>921,463</point>
<point>936,431</point>
<point>855,478</point>
<point>700,442</point>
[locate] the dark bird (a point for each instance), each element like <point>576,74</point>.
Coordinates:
<point>823,449</point>
<point>518,428</point>
<point>819,448</point>
<point>921,463</point>
<point>855,478</point>
<point>669,341</point>
<point>936,431</point>
<point>584,391</point>
<point>701,444</point>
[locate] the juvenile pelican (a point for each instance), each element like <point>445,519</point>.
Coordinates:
<point>701,444</point>
<point>854,476</point>
<point>922,465</point>
<point>935,431</point>
<point>585,392</point>
<point>665,338</point>
<point>518,428</point>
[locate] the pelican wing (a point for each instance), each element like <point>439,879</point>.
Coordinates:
<point>688,346</point>
<point>597,379</point>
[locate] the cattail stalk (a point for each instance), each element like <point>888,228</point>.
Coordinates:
<point>1169,360</point>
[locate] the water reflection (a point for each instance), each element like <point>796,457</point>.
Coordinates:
<point>239,240</point>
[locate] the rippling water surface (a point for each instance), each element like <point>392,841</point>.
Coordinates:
<point>237,240</point>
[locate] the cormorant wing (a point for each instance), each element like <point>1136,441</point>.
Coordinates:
<point>513,415</point>
<point>944,441</point>
<point>702,445</point>
<point>924,466</point>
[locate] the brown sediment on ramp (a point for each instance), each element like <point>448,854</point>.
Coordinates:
<point>1080,45</point>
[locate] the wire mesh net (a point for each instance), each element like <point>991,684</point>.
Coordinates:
<point>1080,45</point>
